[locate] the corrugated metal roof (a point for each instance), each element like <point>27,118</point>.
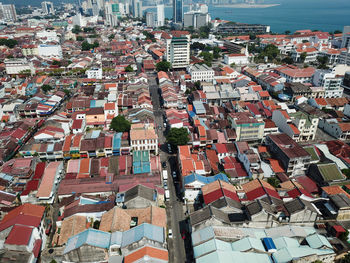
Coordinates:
<point>90,237</point>
<point>248,243</point>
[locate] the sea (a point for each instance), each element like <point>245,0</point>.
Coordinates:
<point>291,15</point>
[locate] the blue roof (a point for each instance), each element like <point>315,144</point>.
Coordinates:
<point>202,235</point>
<point>95,134</point>
<point>234,256</point>
<point>268,242</point>
<point>203,179</point>
<point>90,237</point>
<point>117,140</point>
<point>92,103</point>
<point>248,243</point>
<point>318,241</point>
<point>191,114</point>
<point>116,238</point>
<point>152,232</point>
<point>50,147</point>
<point>287,254</point>
<point>6,177</point>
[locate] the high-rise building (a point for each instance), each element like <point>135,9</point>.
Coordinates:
<point>8,12</point>
<point>47,8</point>
<point>177,11</point>
<point>197,17</point>
<point>112,13</point>
<point>346,37</point>
<point>160,15</point>
<point>150,19</point>
<point>137,8</point>
<point>178,49</point>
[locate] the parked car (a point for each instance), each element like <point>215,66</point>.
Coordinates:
<point>170,233</point>
<point>174,174</point>
<point>165,184</point>
<point>164,164</point>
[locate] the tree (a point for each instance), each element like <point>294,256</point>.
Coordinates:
<point>56,63</point>
<point>207,57</point>
<point>45,88</point>
<point>345,259</point>
<point>111,36</point>
<point>273,181</point>
<point>337,32</point>
<point>216,52</point>
<point>163,66</point>
<point>204,31</point>
<point>322,61</point>
<point>120,124</point>
<point>85,46</point>
<point>232,65</point>
<point>217,18</point>
<point>346,172</point>
<point>197,84</point>
<point>197,45</point>
<point>287,32</point>
<point>128,69</point>
<point>96,224</point>
<point>76,29</point>
<point>303,56</point>
<point>288,60</point>
<point>10,43</point>
<point>67,92</point>
<point>177,136</point>
<point>344,236</point>
<point>80,38</point>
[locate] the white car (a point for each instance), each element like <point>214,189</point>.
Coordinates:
<point>170,233</point>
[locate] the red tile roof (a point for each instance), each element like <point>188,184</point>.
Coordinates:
<point>19,235</point>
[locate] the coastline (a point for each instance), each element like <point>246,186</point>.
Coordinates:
<point>225,6</point>
<point>247,5</point>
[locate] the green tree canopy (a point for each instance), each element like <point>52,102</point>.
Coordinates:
<point>288,60</point>
<point>177,136</point>
<point>207,57</point>
<point>322,61</point>
<point>129,69</point>
<point>345,259</point>
<point>273,181</point>
<point>76,29</point>
<point>303,56</point>
<point>80,38</point>
<point>10,43</point>
<point>163,66</point>
<point>197,45</point>
<point>120,124</point>
<point>85,46</point>
<point>46,88</point>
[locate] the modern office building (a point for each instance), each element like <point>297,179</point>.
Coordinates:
<point>178,50</point>
<point>345,41</point>
<point>178,11</point>
<point>160,15</point>
<point>47,8</point>
<point>150,22</point>
<point>241,28</point>
<point>8,12</point>
<point>137,8</point>
<point>196,19</point>
<point>112,13</point>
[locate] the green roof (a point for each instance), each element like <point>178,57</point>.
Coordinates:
<point>330,172</point>
<point>311,150</point>
<point>303,116</point>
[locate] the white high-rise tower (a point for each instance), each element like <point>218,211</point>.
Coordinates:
<point>160,15</point>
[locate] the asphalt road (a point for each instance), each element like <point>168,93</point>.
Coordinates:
<point>175,213</point>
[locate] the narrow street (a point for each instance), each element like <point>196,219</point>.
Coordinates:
<point>174,207</point>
